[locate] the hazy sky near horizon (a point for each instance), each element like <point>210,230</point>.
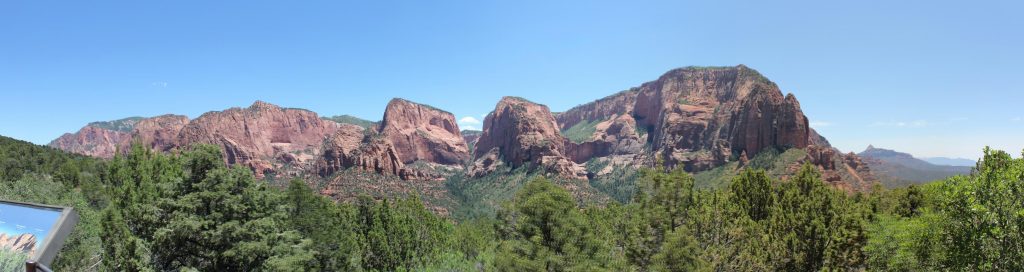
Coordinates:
<point>931,78</point>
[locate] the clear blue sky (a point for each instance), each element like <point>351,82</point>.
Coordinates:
<point>931,78</point>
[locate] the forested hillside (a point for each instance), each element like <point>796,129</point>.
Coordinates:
<point>39,174</point>
<point>151,211</point>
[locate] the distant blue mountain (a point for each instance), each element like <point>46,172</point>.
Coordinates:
<point>950,161</point>
<point>897,169</point>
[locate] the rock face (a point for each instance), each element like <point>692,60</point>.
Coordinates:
<point>697,118</point>
<point>92,141</point>
<point>260,134</point>
<point>352,146</point>
<point>471,137</point>
<point>694,118</point>
<point>421,132</point>
<point>25,242</point>
<point>616,136</point>
<point>158,133</point>
<point>104,139</point>
<point>524,132</point>
<point>844,171</point>
<point>409,133</point>
<point>818,140</point>
<point>269,139</point>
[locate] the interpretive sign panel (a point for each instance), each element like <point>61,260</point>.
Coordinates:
<point>32,232</point>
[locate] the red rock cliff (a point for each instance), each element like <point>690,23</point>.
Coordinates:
<point>352,146</point>
<point>157,133</point>
<point>420,132</point>
<point>261,136</point>
<point>525,132</point>
<point>92,141</point>
<point>698,118</point>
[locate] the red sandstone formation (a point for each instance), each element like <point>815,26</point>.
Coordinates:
<point>420,132</point>
<point>91,141</point>
<point>844,171</point>
<point>697,118</point>
<point>694,118</point>
<point>157,133</point>
<point>351,146</point>
<point>256,135</point>
<point>524,132</point>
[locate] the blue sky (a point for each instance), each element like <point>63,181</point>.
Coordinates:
<point>931,78</point>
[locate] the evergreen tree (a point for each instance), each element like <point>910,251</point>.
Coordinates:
<point>123,251</point>
<point>818,226</point>
<point>680,253</point>
<point>752,191</point>
<point>664,207</point>
<point>196,214</point>
<point>331,228</point>
<point>547,233</point>
<point>399,235</point>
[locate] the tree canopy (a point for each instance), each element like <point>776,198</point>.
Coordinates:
<point>188,211</point>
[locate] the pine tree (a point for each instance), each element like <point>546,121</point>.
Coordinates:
<point>548,233</point>
<point>680,253</point>
<point>752,191</point>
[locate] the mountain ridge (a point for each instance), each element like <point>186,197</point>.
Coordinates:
<point>898,168</point>
<point>694,118</point>
<point>950,161</point>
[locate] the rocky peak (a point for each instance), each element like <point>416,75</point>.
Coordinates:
<point>263,106</point>
<point>409,132</point>
<point>353,146</point>
<point>699,117</point>
<point>158,133</point>
<point>122,125</point>
<point>522,130</point>
<point>844,171</point>
<point>260,136</point>
<point>270,139</point>
<point>421,132</point>
<point>92,141</point>
<point>104,139</point>
<point>526,132</point>
<point>881,153</point>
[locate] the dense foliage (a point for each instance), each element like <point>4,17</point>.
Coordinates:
<point>146,211</point>
<point>582,131</point>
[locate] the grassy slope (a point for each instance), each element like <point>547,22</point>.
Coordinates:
<point>123,125</point>
<point>349,119</point>
<point>620,184</point>
<point>481,197</point>
<point>582,131</point>
<point>773,161</point>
